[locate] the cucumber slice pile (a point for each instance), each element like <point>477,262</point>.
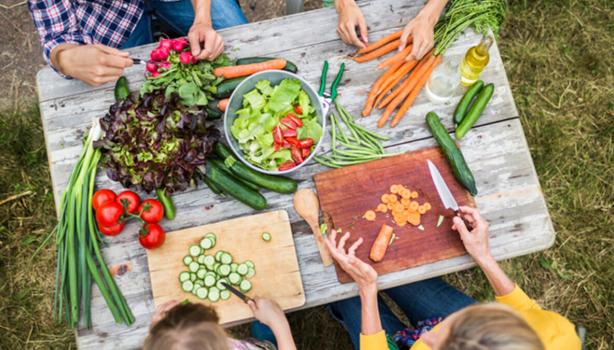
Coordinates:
<point>205,273</point>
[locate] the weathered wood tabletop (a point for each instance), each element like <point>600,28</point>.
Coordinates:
<point>496,150</point>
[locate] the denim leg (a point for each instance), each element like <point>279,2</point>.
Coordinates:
<point>429,298</point>
<point>261,331</point>
<point>348,313</point>
<point>226,13</point>
<point>141,34</point>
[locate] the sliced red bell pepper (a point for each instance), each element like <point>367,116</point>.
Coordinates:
<point>290,133</point>
<point>278,136</point>
<point>288,122</point>
<point>286,166</point>
<point>298,110</point>
<point>306,143</point>
<point>298,121</point>
<point>297,155</point>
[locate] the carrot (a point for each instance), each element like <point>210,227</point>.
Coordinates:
<point>414,93</point>
<point>381,42</point>
<point>378,52</point>
<point>407,87</point>
<point>378,249</point>
<point>369,215</point>
<point>407,66</point>
<point>223,104</point>
<point>399,56</point>
<point>376,88</point>
<point>230,72</point>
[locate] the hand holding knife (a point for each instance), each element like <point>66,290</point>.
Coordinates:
<point>237,292</point>
<point>444,192</point>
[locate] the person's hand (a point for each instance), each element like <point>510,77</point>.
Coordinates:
<point>362,273</point>
<point>94,64</point>
<point>162,310</point>
<point>421,30</point>
<point>350,18</point>
<point>267,311</point>
<point>476,240</point>
<point>205,42</point>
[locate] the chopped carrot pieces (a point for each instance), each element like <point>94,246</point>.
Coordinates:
<point>414,194</point>
<point>369,215</point>
<point>427,205</point>
<point>421,209</point>
<point>413,206</point>
<point>381,208</point>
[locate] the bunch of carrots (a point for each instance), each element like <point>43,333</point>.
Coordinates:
<point>402,80</point>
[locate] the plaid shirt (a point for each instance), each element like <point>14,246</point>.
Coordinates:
<point>107,22</point>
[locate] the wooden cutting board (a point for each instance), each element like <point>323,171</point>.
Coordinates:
<point>347,193</point>
<point>277,272</point>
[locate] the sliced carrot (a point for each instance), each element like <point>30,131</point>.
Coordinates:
<point>369,215</point>
<point>427,205</point>
<point>376,88</point>
<point>397,57</point>
<point>414,218</point>
<point>421,209</point>
<point>378,52</point>
<point>381,42</point>
<point>223,104</point>
<point>229,72</point>
<point>413,205</point>
<point>405,202</point>
<point>381,208</point>
<point>405,193</point>
<point>414,93</point>
<point>414,194</point>
<point>378,249</point>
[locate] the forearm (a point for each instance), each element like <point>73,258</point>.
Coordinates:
<point>498,279</point>
<point>55,56</point>
<point>202,11</point>
<point>283,336</point>
<point>370,321</point>
<point>432,10</point>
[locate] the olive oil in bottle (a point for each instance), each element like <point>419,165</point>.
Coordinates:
<point>475,60</point>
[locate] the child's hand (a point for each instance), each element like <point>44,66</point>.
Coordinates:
<point>267,311</point>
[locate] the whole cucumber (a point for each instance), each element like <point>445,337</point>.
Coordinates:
<point>234,188</point>
<point>274,183</point>
<point>121,90</point>
<point>223,167</point>
<point>225,88</point>
<point>453,154</point>
<point>290,67</point>
<point>475,111</point>
<point>167,203</point>
<point>465,101</point>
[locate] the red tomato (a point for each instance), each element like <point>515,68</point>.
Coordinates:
<point>298,121</point>
<point>298,110</point>
<point>305,152</point>
<point>306,143</point>
<point>151,236</point>
<point>276,147</point>
<point>286,166</point>
<point>109,214</point>
<point>297,155</point>
<point>112,230</point>
<point>277,135</point>
<point>129,200</point>
<point>151,211</point>
<point>290,133</point>
<point>293,141</point>
<point>289,123</point>
<point>101,197</point>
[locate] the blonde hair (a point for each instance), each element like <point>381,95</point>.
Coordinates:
<point>490,327</point>
<point>187,327</point>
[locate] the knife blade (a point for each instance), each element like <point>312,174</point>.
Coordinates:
<point>444,192</point>
<point>237,292</point>
<point>138,61</point>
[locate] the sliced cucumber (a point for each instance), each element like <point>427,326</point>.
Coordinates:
<point>223,270</point>
<point>184,276</point>
<point>233,267</point>
<point>187,286</point>
<point>245,286</point>
<point>198,283</point>
<point>209,281</point>
<point>220,285</point>
<point>218,255</point>
<point>211,236</point>
<point>209,260</point>
<point>266,236</point>
<point>201,259</point>
<point>251,272</point>
<point>201,293</point>
<point>215,266</point>
<point>194,266</point>
<point>195,250</point>
<point>234,278</point>
<point>249,263</point>
<point>214,294</point>
<point>192,277</point>
<point>187,260</point>
<point>207,243</point>
<point>201,273</point>
<point>226,258</point>
<point>225,295</point>
<point>242,269</point>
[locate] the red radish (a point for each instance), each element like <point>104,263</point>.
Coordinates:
<point>155,74</point>
<point>290,133</point>
<point>306,143</point>
<point>297,155</point>
<point>194,60</point>
<point>185,57</point>
<point>164,52</point>
<point>286,166</point>
<point>178,45</point>
<point>166,43</point>
<point>151,67</point>
<point>155,55</point>
<point>165,65</point>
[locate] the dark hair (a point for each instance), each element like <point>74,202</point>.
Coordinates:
<point>187,327</point>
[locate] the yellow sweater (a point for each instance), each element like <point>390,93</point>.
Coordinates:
<point>554,330</point>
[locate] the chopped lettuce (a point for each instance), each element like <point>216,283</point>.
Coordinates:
<point>262,108</point>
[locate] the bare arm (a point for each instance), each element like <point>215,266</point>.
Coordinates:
<point>270,313</point>
<point>422,29</point>
<point>205,42</point>
<point>350,20</point>
<point>476,243</point>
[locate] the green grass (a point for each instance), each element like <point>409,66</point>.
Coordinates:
<point>558,58</point>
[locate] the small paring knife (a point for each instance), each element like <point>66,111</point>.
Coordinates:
<point>237,292</point>
<point>138,61</point>
<point>444,192</point>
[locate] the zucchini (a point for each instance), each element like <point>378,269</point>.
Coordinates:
<point>290,66</point>
<point>453,154</point>
<point>475,111</point>
<point>121,90</point>
<point>465,101</point>
<point>225,169</point>
<point>236,189</point>
<point>167,203</point>
<point>225,88</point>
<point>274,183</point>
<point>212,186</point>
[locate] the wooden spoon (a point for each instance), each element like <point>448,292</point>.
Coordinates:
<point>307,206</point>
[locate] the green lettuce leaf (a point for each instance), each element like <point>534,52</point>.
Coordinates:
<point>283,95</point>
<point>310,129</point>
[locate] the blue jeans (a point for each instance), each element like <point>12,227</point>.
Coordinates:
<point>179,16</point>
<point>418,301</point>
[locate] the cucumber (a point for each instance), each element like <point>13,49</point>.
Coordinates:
<point>220,285</point>
<point>475,111</point>
<point>212,186</point>
<point>187,260</point>
<point>225,295</point>
<point>234,278</point>
<point>233,267</point>
<point>201,273</point>
<point>223,270</point>
<point>167,203</point>
<point>192,276</point>
<point>194,266</point>
<point>274,183</point>
<point>121,90</point>
<point>242,269</point>
<point>249,263</point>
<point>201,259</point>
<point>207,243</point>
<point>266,236</point>
<point>220,164</point>
<point>214,113</point>
<point>225,88</point>
<point>465,101</point>
<point>195,250</point>
<point>290,67</point>
<point>214,294</point>
<point>209,281</point>
<point>453,154</point>
<point>226,258</point>
<point>209,261</point>
<point>251,272</point>
<point>184,276</point>
<point>245,286</point>
<point>187,286</point>
<point>234,188</point>
<point>201,293</point>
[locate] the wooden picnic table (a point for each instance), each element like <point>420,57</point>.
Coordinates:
<point>496,150</point>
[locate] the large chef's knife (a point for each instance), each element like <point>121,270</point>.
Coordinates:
<point>444,192</point>
<point>236,292</point>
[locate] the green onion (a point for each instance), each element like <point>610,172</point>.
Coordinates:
<point>79,260</point>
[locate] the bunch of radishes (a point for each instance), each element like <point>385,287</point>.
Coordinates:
<point>168,52</point>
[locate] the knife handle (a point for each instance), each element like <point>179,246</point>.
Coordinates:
<point>467,224</point>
